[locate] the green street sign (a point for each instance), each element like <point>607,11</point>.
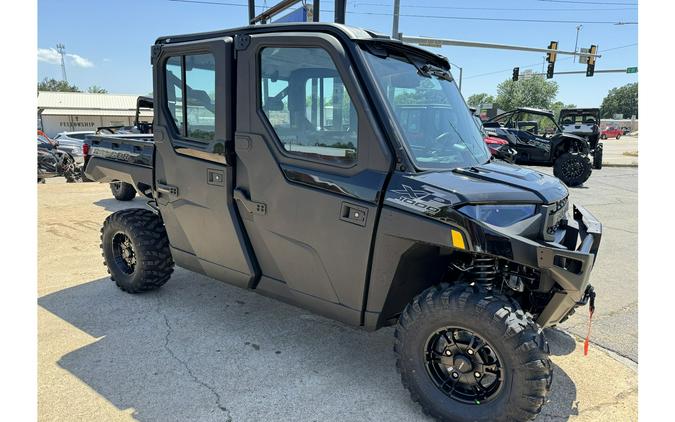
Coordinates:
<point>631,69</point>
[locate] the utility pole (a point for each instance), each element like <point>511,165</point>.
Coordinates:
<point>576,41</point>
<point>62,51</point>
<point>460,75</point>
<point>394,26</point>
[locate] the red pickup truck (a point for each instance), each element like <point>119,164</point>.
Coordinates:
<point>611,132</point>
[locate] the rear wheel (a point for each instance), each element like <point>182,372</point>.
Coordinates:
<point>603,136</point>
<point>122,191</point>
<point>618,136</point>
<point>468,355</point>
<point>136,250</point>
<point>572,168</point>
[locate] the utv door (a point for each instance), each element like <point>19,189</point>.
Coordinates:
<point>310,170</point>
<point>194,177</point>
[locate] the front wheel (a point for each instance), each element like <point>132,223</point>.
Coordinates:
<point>136,250</point>
<point>618,137</point>
<point>597,157</point>
<point>572,169</point>
<point>603,136</point>
<point>468,355</point>
<point>122,191</point>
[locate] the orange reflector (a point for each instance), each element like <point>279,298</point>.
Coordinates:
<point>457,239</point>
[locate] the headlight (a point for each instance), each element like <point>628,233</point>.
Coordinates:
<point>499,215</point>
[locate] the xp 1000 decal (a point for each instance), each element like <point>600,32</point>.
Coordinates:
<point>420,198</point>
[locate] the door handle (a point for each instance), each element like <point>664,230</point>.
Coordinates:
<point>252,207</point>
<point>167,189</point>
<point>353,213</point>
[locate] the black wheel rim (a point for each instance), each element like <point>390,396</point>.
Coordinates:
<point>463,365</point>
<point>123,253</point>
<point>572,169</point>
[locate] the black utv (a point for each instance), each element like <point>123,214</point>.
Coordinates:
<point>584,122</point>
<point>280,163</point>
<point>539,140</point>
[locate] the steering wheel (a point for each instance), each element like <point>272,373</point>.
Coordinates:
<point>440,142</point>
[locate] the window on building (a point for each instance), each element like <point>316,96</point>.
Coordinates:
<point>308,105</point>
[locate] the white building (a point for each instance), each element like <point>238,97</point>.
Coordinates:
<point>75,111</point>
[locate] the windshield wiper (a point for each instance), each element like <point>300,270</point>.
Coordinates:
<point>430,70</point>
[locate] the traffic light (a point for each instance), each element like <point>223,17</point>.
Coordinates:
<point>550,58</point>
<point>551,55</point>
<point>516,71</point>
<point>590,67</point>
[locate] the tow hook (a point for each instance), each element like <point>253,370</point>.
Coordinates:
<point>589,295</point>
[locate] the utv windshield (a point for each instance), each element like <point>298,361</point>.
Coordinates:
<point>432,116</point>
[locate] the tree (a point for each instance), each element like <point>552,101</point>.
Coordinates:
<point>477,99</point>
<point>95,89</point>
<point>534,91</point>
<point>51,84</point>
<point>621,100</point>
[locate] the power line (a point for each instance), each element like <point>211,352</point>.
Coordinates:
<point>588,2</point>
<point>527,66</point>
<point>468,18</point>
<point>506,9</point>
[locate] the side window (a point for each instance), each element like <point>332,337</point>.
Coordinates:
<point>191,100</point>
<point>200,81</point>
<point>307,104</point>
<point>174,90</point>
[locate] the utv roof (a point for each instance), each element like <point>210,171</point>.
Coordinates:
<point>531,110</point>
<point>525,109</point>
<point>339,30</point>
<point>580,110</point>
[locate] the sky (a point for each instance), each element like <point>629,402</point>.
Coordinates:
<point>108,43</point>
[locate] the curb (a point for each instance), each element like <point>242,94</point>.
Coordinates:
<point>619,165</point>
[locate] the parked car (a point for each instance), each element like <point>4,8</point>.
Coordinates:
<point>584,122</point>
<point>72,138</point>
<point>611,132</point>
<point>328,199</point>
<point>626,130</point>
<point>540,141</point>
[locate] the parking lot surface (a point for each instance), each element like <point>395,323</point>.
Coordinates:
<point>198,349</point>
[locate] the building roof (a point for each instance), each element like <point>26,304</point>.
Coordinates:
<point>93,112</point>
<point>85,103</point>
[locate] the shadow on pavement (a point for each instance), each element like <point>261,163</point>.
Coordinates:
<point>198,349</point>
<point>561,343</point>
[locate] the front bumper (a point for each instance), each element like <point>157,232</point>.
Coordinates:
<point>569,266</point>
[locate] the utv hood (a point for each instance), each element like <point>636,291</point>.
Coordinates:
<point>494,182</point>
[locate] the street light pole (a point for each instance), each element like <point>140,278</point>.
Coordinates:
<point>576,41</point>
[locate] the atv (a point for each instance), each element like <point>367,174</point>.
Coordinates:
<point>539,140</point>
<point>584,122</point>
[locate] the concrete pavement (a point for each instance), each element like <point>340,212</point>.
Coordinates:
<point>198,349</point>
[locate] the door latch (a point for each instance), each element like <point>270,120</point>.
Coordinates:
<point>252,207</point>
<point>167,189</point>
<point>353,214</point>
